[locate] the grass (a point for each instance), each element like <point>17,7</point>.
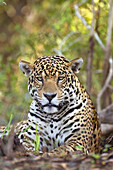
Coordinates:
<point>37,142</point>
<point>7,127</point>
<point>25,130</point>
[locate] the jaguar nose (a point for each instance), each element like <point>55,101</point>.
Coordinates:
<point>49,96</point>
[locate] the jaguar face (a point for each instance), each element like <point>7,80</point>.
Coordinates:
<point>48,91</point>
<point>48,78</point>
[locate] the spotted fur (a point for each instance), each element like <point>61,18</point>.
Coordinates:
<point>61,108</point>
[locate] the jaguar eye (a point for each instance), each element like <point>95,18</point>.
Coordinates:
<point>60,79</point>
<point>39,79</point>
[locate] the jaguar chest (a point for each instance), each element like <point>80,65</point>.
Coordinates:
<point>53,131</point>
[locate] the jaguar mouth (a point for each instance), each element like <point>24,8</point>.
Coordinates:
<point>52,108</point>
<point>50,105</point>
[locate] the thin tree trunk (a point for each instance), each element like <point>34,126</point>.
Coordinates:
<point>107,95</point>
<point>90,54</point>
<point>97,16</point>
<point>89,64</point>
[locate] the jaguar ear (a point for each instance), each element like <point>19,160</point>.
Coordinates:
<point>76,64</point>
<point>26,67</point>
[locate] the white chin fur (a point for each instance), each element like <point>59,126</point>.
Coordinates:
<point>50,109</point>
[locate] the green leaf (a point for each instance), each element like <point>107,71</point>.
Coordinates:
<point>96,156</point>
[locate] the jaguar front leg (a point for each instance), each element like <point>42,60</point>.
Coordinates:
<point>67,148</point>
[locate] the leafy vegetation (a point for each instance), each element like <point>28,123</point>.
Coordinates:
<point>31,29</point>
<point>2,2</point>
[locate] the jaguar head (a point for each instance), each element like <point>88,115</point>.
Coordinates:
<point>49,77</point>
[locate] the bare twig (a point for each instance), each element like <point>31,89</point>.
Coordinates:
<point>110,87</point>
<point>75,41</point>
<point>105,85</point>
<point>77,13</point>
<point>57,51</point>
<point>60,50</point>
<point>65,39</point>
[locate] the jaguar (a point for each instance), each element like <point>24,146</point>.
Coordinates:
<point>61,114</point>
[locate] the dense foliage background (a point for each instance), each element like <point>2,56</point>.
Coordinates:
<point>29,29</point>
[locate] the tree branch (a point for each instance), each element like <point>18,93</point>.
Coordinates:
<point>110,87</point>
<point>105,85</point>
<point>106,115</point>
<point>75,41</point>
<point>106,129</point>
<point>107,99</point>
<point>77,13</point>
<point>60,50</point>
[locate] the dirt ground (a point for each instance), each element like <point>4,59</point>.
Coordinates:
<point>13,156</point>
